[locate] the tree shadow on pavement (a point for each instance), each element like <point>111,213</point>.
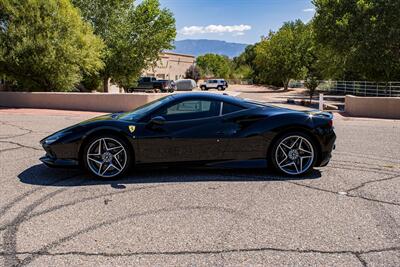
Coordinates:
<point>44,176</point>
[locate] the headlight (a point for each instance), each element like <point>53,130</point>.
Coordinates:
<point>52,138</point>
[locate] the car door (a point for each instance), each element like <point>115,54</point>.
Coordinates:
<point>243,139</point>
<point>214,84</point>
<point>209,84</point>
<point>146,83</point>
<point>191,132</point>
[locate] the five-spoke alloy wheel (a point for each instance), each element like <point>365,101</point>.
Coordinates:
<point>107,156</point>
<point>293,154</point>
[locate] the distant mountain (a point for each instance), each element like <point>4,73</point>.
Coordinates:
<point>204,46</point>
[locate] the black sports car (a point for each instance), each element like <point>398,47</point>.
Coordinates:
<point>196,129</point>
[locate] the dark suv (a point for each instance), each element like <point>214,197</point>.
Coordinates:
<point>152,84</point>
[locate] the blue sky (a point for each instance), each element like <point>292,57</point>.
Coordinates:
<point>242,21</point>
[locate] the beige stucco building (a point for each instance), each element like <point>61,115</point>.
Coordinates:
<point>172,66</point>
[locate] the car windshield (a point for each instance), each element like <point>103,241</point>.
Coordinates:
<point>141,111</point>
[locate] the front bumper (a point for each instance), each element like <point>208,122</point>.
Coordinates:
<point>51,159</point>
<point>59,163</point>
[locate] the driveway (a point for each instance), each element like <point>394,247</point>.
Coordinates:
<point>346,214</point>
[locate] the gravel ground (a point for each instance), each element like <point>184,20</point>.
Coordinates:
<point>346,214</point>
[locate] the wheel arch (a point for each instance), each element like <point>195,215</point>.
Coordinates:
<point>108,130</point>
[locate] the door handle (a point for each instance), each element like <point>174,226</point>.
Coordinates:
<point>224,133</point>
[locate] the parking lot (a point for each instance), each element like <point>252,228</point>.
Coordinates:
<point>346,214</point>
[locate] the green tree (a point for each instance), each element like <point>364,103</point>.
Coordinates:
<point>193,72</point>
<point>242,72</point>
<point>278,57</point>
<point>312,60</point>
<point>134,35</point>
<point>244,66</point>
<point>214,65</point>
<point>45,45</point>
<point>364,35</point>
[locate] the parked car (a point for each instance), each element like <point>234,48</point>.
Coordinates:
<point>191,129</point>
<point>219,84</point>
<point>185,85</point>
<point>170,84</point>
<point>226,83</point>
<point>152,84</point>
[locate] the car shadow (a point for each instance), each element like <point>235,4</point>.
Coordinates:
<point>43,176</point>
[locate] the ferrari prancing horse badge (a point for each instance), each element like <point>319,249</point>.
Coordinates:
<point>132,128</point>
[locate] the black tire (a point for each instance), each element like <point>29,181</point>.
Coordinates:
<point>273,155</point>
<point>203,88</point>
<point>219,88</point>
<point>89,164</point>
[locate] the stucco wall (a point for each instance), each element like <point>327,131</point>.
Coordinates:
<point>76,101</point>
<point>373,107</point>
<point>171,66</point>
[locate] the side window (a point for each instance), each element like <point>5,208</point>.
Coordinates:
<point>229,108</point>
<point>191,109</point>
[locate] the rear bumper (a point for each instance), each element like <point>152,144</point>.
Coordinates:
<point>326,157</point>
<point>59,163</point>
<point>326,153</point>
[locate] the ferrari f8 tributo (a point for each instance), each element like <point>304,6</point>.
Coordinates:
<point>195,129</point>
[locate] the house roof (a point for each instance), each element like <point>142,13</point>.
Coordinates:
<point>177,54</point>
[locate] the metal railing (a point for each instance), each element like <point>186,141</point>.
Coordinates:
<point>361,88</point>
<point>322,100</point>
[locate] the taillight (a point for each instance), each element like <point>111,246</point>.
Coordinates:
<point>330,123</point>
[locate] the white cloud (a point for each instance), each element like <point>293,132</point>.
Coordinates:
<point>309,10</point>
<point>235,29</point>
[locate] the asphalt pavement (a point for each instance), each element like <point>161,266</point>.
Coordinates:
<point>345,214</point>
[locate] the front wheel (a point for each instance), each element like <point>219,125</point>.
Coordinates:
<point>107,156</point>
<point>203,88</point>
<point>293,154</point>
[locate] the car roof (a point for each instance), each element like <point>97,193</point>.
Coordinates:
<point>212,96</point>
<point>184,80</point>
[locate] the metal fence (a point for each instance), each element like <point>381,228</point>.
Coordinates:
<point>361,88</point>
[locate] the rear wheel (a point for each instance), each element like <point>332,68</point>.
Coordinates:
<point>203,88</point>
<point>293,154</point>
<point>107,156</point>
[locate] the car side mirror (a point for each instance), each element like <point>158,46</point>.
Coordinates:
<point>158,120</point>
